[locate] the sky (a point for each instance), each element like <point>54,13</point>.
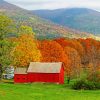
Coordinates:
<point>56,4</point>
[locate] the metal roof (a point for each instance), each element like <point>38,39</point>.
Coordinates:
<point>20,71</point>
<point>40,67</point>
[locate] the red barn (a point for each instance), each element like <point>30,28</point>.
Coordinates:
<point>42,72</point>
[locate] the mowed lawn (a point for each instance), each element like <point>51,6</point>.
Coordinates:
<point>40,91</point>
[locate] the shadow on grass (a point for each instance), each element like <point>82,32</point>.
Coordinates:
<point>7,81</point>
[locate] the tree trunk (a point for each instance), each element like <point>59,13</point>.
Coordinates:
<point>68,80</point>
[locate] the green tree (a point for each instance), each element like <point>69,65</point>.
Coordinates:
<point>25,30</point>
<point>5,26</point>
<point>5,44</point>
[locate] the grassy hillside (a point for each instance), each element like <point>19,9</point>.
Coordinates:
<point>39,91</point>
<point>42,27</point>
<point>77,18</point>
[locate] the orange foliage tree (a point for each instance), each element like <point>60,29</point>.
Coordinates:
<point>73,43</point>
<point>51,51</point>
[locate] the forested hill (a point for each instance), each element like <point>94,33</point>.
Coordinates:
<point>42,27</point>
<point>82,19</point>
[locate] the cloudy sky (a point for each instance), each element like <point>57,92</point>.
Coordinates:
<point>55,4</point>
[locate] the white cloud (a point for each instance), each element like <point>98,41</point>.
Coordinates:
<point>55,4</point>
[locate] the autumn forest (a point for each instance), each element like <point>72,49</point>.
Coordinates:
<point>77,55</point>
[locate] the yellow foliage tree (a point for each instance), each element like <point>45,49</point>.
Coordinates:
<point>26,51</point>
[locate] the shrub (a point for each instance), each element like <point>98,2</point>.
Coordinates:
<point>85,85</point>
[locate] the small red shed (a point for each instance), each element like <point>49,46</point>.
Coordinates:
<point>40,72</point>
<point>20,75</point>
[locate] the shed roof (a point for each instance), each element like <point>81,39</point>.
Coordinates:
<point>40,67</point>
<point>20,71</point>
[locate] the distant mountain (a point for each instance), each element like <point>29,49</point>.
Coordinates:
<point>42,27</point>
<point>82,19</point>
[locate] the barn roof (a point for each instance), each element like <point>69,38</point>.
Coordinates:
<point>20,71</point>
<point>38,67</point>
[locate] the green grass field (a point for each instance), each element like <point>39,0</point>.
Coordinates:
<point>40,91</point>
